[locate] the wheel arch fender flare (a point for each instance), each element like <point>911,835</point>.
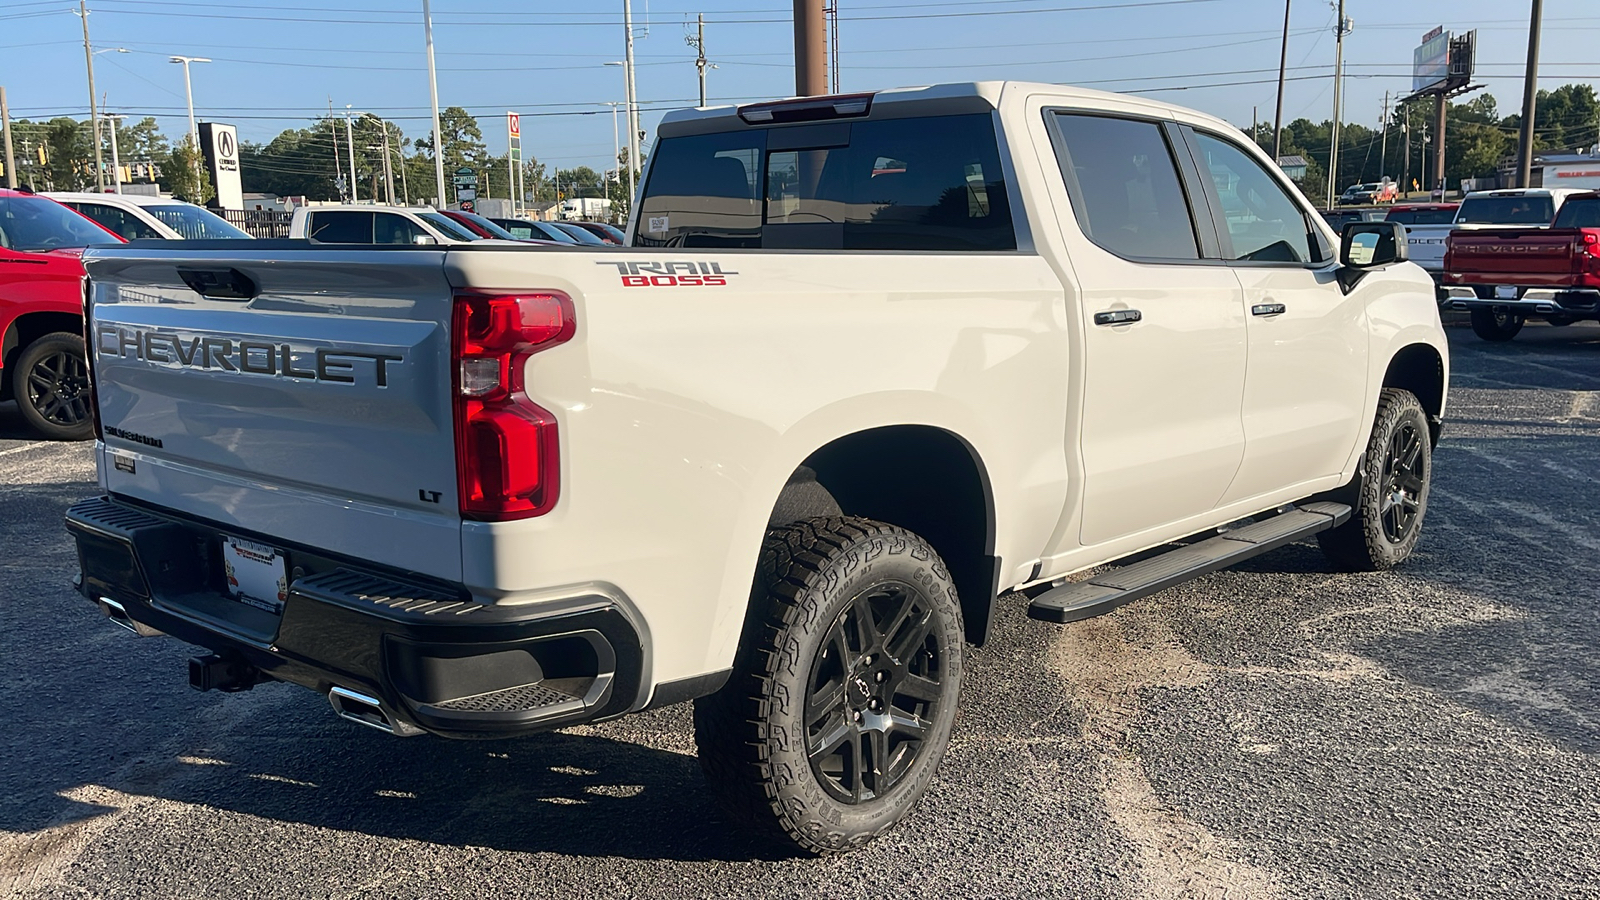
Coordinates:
<point>808,475</point>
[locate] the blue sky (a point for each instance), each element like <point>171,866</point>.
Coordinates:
<point>278,63</point>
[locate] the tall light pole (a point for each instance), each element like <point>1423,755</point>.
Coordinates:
<point>632,97</point>
<point>188,93</point>
<point>433,92</point>
<point>616,141</point>
<point>350,145</point>
<point>116,161</point>
<point>94,112</point>
<point>632,130</point>
<point>1341,28</point>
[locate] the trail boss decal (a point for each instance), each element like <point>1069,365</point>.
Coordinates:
<point>251,357</point>
<point>671,274</point>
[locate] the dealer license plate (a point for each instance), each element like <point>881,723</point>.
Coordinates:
<point>255,574</point>
<point>1505,292</point>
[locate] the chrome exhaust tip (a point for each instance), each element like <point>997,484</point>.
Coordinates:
<point>365,710</point>
<point>118,614</point>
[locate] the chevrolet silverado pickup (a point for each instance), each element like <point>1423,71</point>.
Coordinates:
<point>868,363</point>
<point>1504,277</point>
<point>1512,208</point>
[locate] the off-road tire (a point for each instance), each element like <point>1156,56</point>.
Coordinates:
<point>1370,542</point>
<point>754,735</point>
<point>1495,324</point>
<point>51,386</point>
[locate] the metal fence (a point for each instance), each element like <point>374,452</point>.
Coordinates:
<point>259,223</point>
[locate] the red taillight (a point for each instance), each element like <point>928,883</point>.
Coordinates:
<point>1590,248</point>
<point>506,445</point>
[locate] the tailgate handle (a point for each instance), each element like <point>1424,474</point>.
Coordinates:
<point>220,284</point>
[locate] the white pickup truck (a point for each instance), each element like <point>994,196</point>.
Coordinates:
<point>870,362</point>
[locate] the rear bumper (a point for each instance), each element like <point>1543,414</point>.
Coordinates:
<point>1579,303</point>
<point>431,658</point>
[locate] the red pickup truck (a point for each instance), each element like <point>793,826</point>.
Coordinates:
<point>42,364</point>
<point>1507,276</point>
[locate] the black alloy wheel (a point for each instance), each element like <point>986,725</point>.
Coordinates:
<point>874,691</point>
<point>1389,494</point>
<point>844,686</point>
<point>1404,478</point>
<point>51,385</point>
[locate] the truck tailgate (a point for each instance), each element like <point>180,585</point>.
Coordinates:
<point>1529,257</point>
<point>303,395</point>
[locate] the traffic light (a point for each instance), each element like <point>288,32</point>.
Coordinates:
<point>44,158</point>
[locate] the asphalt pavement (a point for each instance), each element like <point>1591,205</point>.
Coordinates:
<point>1278,730</point>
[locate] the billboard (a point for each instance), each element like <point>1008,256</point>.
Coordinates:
<point>220,144</point>
<point>1430,63</point>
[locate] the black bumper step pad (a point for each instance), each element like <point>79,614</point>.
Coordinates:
<point>1109,590</point>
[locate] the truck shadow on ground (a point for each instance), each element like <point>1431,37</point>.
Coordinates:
<point>580,795</point>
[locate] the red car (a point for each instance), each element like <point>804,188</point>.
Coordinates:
<point>42,362</point>
<point>483,227</point>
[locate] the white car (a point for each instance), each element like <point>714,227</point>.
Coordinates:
<point>136,217</point>
<point>356,223</point>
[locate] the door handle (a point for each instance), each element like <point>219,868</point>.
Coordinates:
<point>1268,309</point>
<point>1117,316</point>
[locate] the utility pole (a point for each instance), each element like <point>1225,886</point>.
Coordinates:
<point>1383,154</point>
<point>1255,126</point>
<point>338,167</point>
<point>350,145</point>
<point>1405,137</point>
<point>5,125</point>
<point>1438,143</point>
<point>632,98</point>
<point>810,49</point>
<point>1283,65</point>
<point>698,42</point>
<point>830,10</point>
<point>388,171</point>
<point>433,92</point>
<point>1530,97</point>
<point>1340,29</point>
<point>94,113</point>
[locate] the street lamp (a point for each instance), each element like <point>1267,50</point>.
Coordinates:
<point>188,91</point>
<point>633,127</point>
<point>94,120</point>
<point>616,145</point>
<point>116,161</point>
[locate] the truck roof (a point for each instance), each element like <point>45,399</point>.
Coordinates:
<point>951,98</point>
<point>1527,192</point>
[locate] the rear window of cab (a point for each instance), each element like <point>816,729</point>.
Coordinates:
<point>931,183</point>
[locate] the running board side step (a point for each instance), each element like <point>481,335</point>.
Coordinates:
<point>1109,590</point>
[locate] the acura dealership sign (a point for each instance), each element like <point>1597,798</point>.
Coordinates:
<point>220,143</point>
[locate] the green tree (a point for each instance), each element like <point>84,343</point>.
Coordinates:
<point>141,142</point>
<point>186,176</point>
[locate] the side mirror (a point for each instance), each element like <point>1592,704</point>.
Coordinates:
<point>424,240</point>
<point>1367,245</point>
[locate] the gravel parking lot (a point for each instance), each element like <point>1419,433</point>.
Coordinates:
<point>1278,730</point>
